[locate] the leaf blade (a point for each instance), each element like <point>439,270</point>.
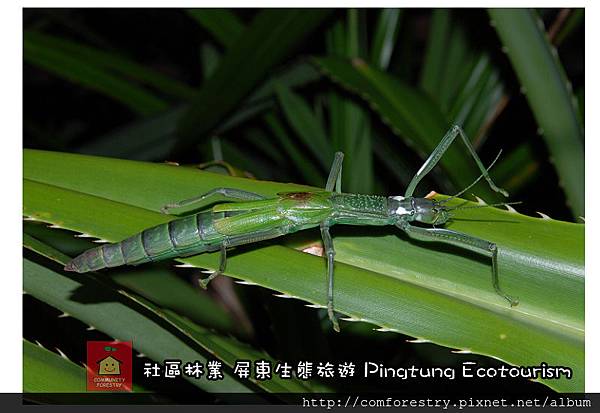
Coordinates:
<point>267,41</point>
<point>410,114</point>
<point>223,24</point>
<point>91,76</point>
<point>306,125</point>
<point>427,292</point>
<point>385,36</point>
<point>549,95</point>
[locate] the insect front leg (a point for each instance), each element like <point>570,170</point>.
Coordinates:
<point>231,193</point>
<point>465,241</point>
<point>439,151</point>
<point>335,174</point>
<point>330,254</point>
<point>222,265</point>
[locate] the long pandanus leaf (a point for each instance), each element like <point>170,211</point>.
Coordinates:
<point>426,290</point>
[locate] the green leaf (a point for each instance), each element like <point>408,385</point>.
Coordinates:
<point>159,334</point>
<point>523,155</point>
<point>395,163</point>
<point>223,24</point>
<point>459,77</point>
<point>210,58</point>
<point>478,96</point>
<point>303,165</point>
<point>457,64</point>
<point>580,95</point>
<point>489,101</point>
<point>272,36</point>
<point>549,94</point>
<point>154,138</point>
<point>245,161</point>
<point>385,37</point>
<point>89,74</point>
<point>43,249</point>
<point>433,65</point>
<point>47,372</point>
<point>231,350</point>
<point>112,62</point>
<point>350,125</point>
<point>305,124</point>
<point>119,315</point>
<point>426,290</point>
<point>410,114</point>
<point>265,145</point>
<point>62,241</point>
<point>435,53</point>
<point>336,45</point>
<point>574,21</point>
<point>146,139</point>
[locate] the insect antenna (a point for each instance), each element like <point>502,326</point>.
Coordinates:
<point>473,184</point>
<point>482,206</point>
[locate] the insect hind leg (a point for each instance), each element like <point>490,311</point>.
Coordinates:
<point>203,282</point>
<point>240,240</point>
<point>330,254</point>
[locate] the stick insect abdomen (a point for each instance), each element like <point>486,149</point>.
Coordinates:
<point>225,225</point>
<point>193,234</point>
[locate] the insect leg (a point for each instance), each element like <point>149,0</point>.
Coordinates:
<point>335,175</point>
<point>240,240</point>
<point>330,253</point>
<point>437,154</point>
<point>222,264</point>
<point>465,241</point>
<point>226,192</point>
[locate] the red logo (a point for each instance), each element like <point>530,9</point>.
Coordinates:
<point>109,366</point>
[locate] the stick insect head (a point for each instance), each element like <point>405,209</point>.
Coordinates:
<point>430,211</point>
<point>425,210</point>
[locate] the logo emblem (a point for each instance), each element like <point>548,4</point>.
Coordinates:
<point>109,366</point>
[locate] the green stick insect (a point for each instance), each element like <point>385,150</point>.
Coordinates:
<point>258,218</point>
